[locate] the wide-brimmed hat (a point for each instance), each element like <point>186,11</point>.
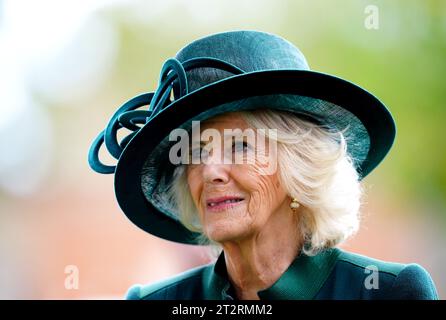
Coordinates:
<point>224,72</point>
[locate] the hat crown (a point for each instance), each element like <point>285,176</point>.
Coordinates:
<point>247,50</point>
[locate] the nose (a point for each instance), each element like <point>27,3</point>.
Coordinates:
<point>216,173</point>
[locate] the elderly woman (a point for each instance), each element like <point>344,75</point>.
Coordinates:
<point>245,149</point>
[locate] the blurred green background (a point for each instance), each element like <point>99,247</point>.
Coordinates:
<point>66,66</point>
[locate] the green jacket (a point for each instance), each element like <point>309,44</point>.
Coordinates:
<point>331,274</point>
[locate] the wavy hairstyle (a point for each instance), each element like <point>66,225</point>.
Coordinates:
<point>313,166</point>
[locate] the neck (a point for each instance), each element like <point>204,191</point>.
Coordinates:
<point>255,263</point>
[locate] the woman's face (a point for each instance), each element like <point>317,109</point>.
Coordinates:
<point>254,197</point>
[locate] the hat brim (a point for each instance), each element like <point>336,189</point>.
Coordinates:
<point>372,113</point>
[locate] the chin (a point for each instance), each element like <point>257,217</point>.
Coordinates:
<point>220,234</point>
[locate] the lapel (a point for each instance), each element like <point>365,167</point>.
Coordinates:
<point>301,281</point>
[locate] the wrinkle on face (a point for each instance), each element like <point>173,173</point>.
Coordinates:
<point>263,193</point>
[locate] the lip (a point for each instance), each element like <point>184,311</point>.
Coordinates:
<point>220,205</point>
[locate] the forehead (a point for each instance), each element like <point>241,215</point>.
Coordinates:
<point>229,120</point>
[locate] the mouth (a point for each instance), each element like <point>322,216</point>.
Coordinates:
<point>223,203</point>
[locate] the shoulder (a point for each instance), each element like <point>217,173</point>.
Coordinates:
<point>368,264</point>
<point>186,285</point>
<point>414,282</point>
<point>376,279</point>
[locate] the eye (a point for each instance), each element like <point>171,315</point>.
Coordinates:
<point>199,153</point>
<point>240,146</point>
<point>195,153</point>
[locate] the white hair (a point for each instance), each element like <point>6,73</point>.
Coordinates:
<point>313,166</point>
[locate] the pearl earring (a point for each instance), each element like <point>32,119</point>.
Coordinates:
<point>294,204</point>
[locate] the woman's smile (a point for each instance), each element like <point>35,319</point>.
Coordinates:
<point>223,204</point>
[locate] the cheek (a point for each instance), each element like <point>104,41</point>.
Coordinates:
<point>265,190</point>
<point>194,182</point>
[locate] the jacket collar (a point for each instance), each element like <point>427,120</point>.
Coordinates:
<point>301,281</point>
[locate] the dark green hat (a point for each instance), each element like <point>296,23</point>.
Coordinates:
<point>230,71</point>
